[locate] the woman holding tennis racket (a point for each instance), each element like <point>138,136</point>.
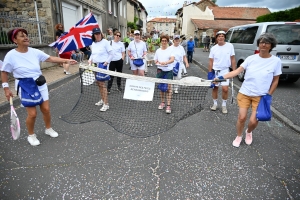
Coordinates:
<point>164,59</point>
<point>24,63</point>
<point>261,78</point>
<point>180,57</point>
<point>102,54</point>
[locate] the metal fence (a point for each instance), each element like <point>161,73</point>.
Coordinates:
<point>37,30</point>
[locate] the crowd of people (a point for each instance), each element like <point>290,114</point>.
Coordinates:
<point>261,76</point>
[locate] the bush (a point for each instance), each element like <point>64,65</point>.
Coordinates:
<point>286,15</point>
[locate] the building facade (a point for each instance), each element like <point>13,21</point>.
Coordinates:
<point>162,25</point>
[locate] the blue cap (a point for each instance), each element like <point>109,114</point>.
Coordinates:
<point>96,30</point>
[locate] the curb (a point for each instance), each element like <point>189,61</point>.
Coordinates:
<point>5,107</point>
<point>276,113</point>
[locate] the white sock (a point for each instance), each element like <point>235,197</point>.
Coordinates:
<point>224,102</point>
<point>215,101</point>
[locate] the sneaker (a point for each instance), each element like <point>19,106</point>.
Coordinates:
<point>161,106</point>
<point>151,65</point>
<point>33,140</point>
<point>214,107</point>
<point>176,91</point>
<point>168,109</point>
<point>148,65</point>
<point>99,103</point>
<point>51,132</point>
<point>145,73</point>
<point>248,138</point>
<point>237,141</point>
<point>119,89</point>
<point>64,71</point>
<point>67,73</point>
<point>184,74</point>
<point>108,91</point>
<point>224,110</point>
<point>104,108</point>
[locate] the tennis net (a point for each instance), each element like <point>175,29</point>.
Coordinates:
<point>134,110</point>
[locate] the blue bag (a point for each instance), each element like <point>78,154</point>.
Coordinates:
<point>101,76</point>
<point>176,69</point>
<point>30,94</point>
<point>138,62</point>
<point>263,112</point>
<point>163,86</point>
<point>211,76</point>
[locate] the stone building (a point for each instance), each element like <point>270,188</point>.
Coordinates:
<point>164,24</point>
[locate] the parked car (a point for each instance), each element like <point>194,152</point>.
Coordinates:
<point>244,37</point>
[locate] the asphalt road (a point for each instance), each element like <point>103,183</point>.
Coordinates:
<point>286,98</point>
<point>192,160</point>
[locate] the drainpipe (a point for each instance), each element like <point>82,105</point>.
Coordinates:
<point>37,20</point>
<point>57,11</point>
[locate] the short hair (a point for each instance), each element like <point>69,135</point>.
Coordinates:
<point>94,39</point>
<point>267,37</point>
<point>164,36</point>
<point>58,25</point>
<point>14,32</point>
<point>115,32</point>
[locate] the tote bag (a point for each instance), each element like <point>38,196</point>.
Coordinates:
<point>263,112</point>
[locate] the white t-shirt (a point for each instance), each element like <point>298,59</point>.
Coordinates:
<point>164,56</point>
<point>221,56</point>
<point>259,74</point>
<point>137,49</point>
<point>118,48</point>
<point>101,52</point>
<point>24,65</point>
<point>178,53</point>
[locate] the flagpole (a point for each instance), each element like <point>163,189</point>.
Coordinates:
<point>37,20</point>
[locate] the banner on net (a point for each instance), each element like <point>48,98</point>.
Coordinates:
<point>139,90</point>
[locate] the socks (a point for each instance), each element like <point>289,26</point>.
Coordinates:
<point>215,101</point>
<point>224,102</point>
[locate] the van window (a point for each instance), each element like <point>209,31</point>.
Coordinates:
<point>285,33</point>
<point>228,34</point>
<point>244,35</point>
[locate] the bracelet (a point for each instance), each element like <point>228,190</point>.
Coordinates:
<point>4,85</point>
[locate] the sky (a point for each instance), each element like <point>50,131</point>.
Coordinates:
<point>168,8</point>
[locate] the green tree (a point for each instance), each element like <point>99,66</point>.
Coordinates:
<point>214,1</point>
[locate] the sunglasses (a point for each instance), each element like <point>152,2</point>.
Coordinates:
<point>136,34</point>
<point>118,35</point>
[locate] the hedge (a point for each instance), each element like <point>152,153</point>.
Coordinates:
<point>286,15</point>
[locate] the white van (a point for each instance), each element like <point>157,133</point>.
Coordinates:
<point>244,39</point>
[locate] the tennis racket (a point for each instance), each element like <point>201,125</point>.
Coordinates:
<point>232,91</point>
<point>14,121</point>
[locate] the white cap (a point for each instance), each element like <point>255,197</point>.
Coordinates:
<point>220,32</point>
<point>191,37</point>
<point>136,32</point>
<point>176,36</point>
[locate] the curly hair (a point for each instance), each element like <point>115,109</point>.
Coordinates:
<point>58,25</point>
<point>164,36</point>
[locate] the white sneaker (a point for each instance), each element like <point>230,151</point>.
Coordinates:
<point>151,65</point>
<point>104,108</point>
<point>68,73</point>
<point>33,140</point>
<point>224,110</point>
<point>51,132</point>
<point>214,107</point>
<point>99,103</point>
<point>176,91</point>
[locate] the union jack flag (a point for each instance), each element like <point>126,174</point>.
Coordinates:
<point>79,35</point>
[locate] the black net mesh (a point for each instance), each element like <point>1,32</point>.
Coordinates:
<point>131,117</point>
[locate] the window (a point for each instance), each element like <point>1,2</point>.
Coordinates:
<point>109,6</point>
<point>115,11</point>
<point>285,33</point>
<point>120,8</point>
<point>228,34</point>
<point>244,35</point>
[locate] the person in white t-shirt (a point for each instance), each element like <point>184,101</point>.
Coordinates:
<point>137,50</point>
<point>102,52</point>
<point>164,59</point>
<point>261,78</point>
<point>116,63</point>
<point>180,56</point>
<point>221,57</point>
<point>24,62</point>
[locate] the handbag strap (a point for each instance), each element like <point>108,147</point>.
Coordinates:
<point>136,50</point>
